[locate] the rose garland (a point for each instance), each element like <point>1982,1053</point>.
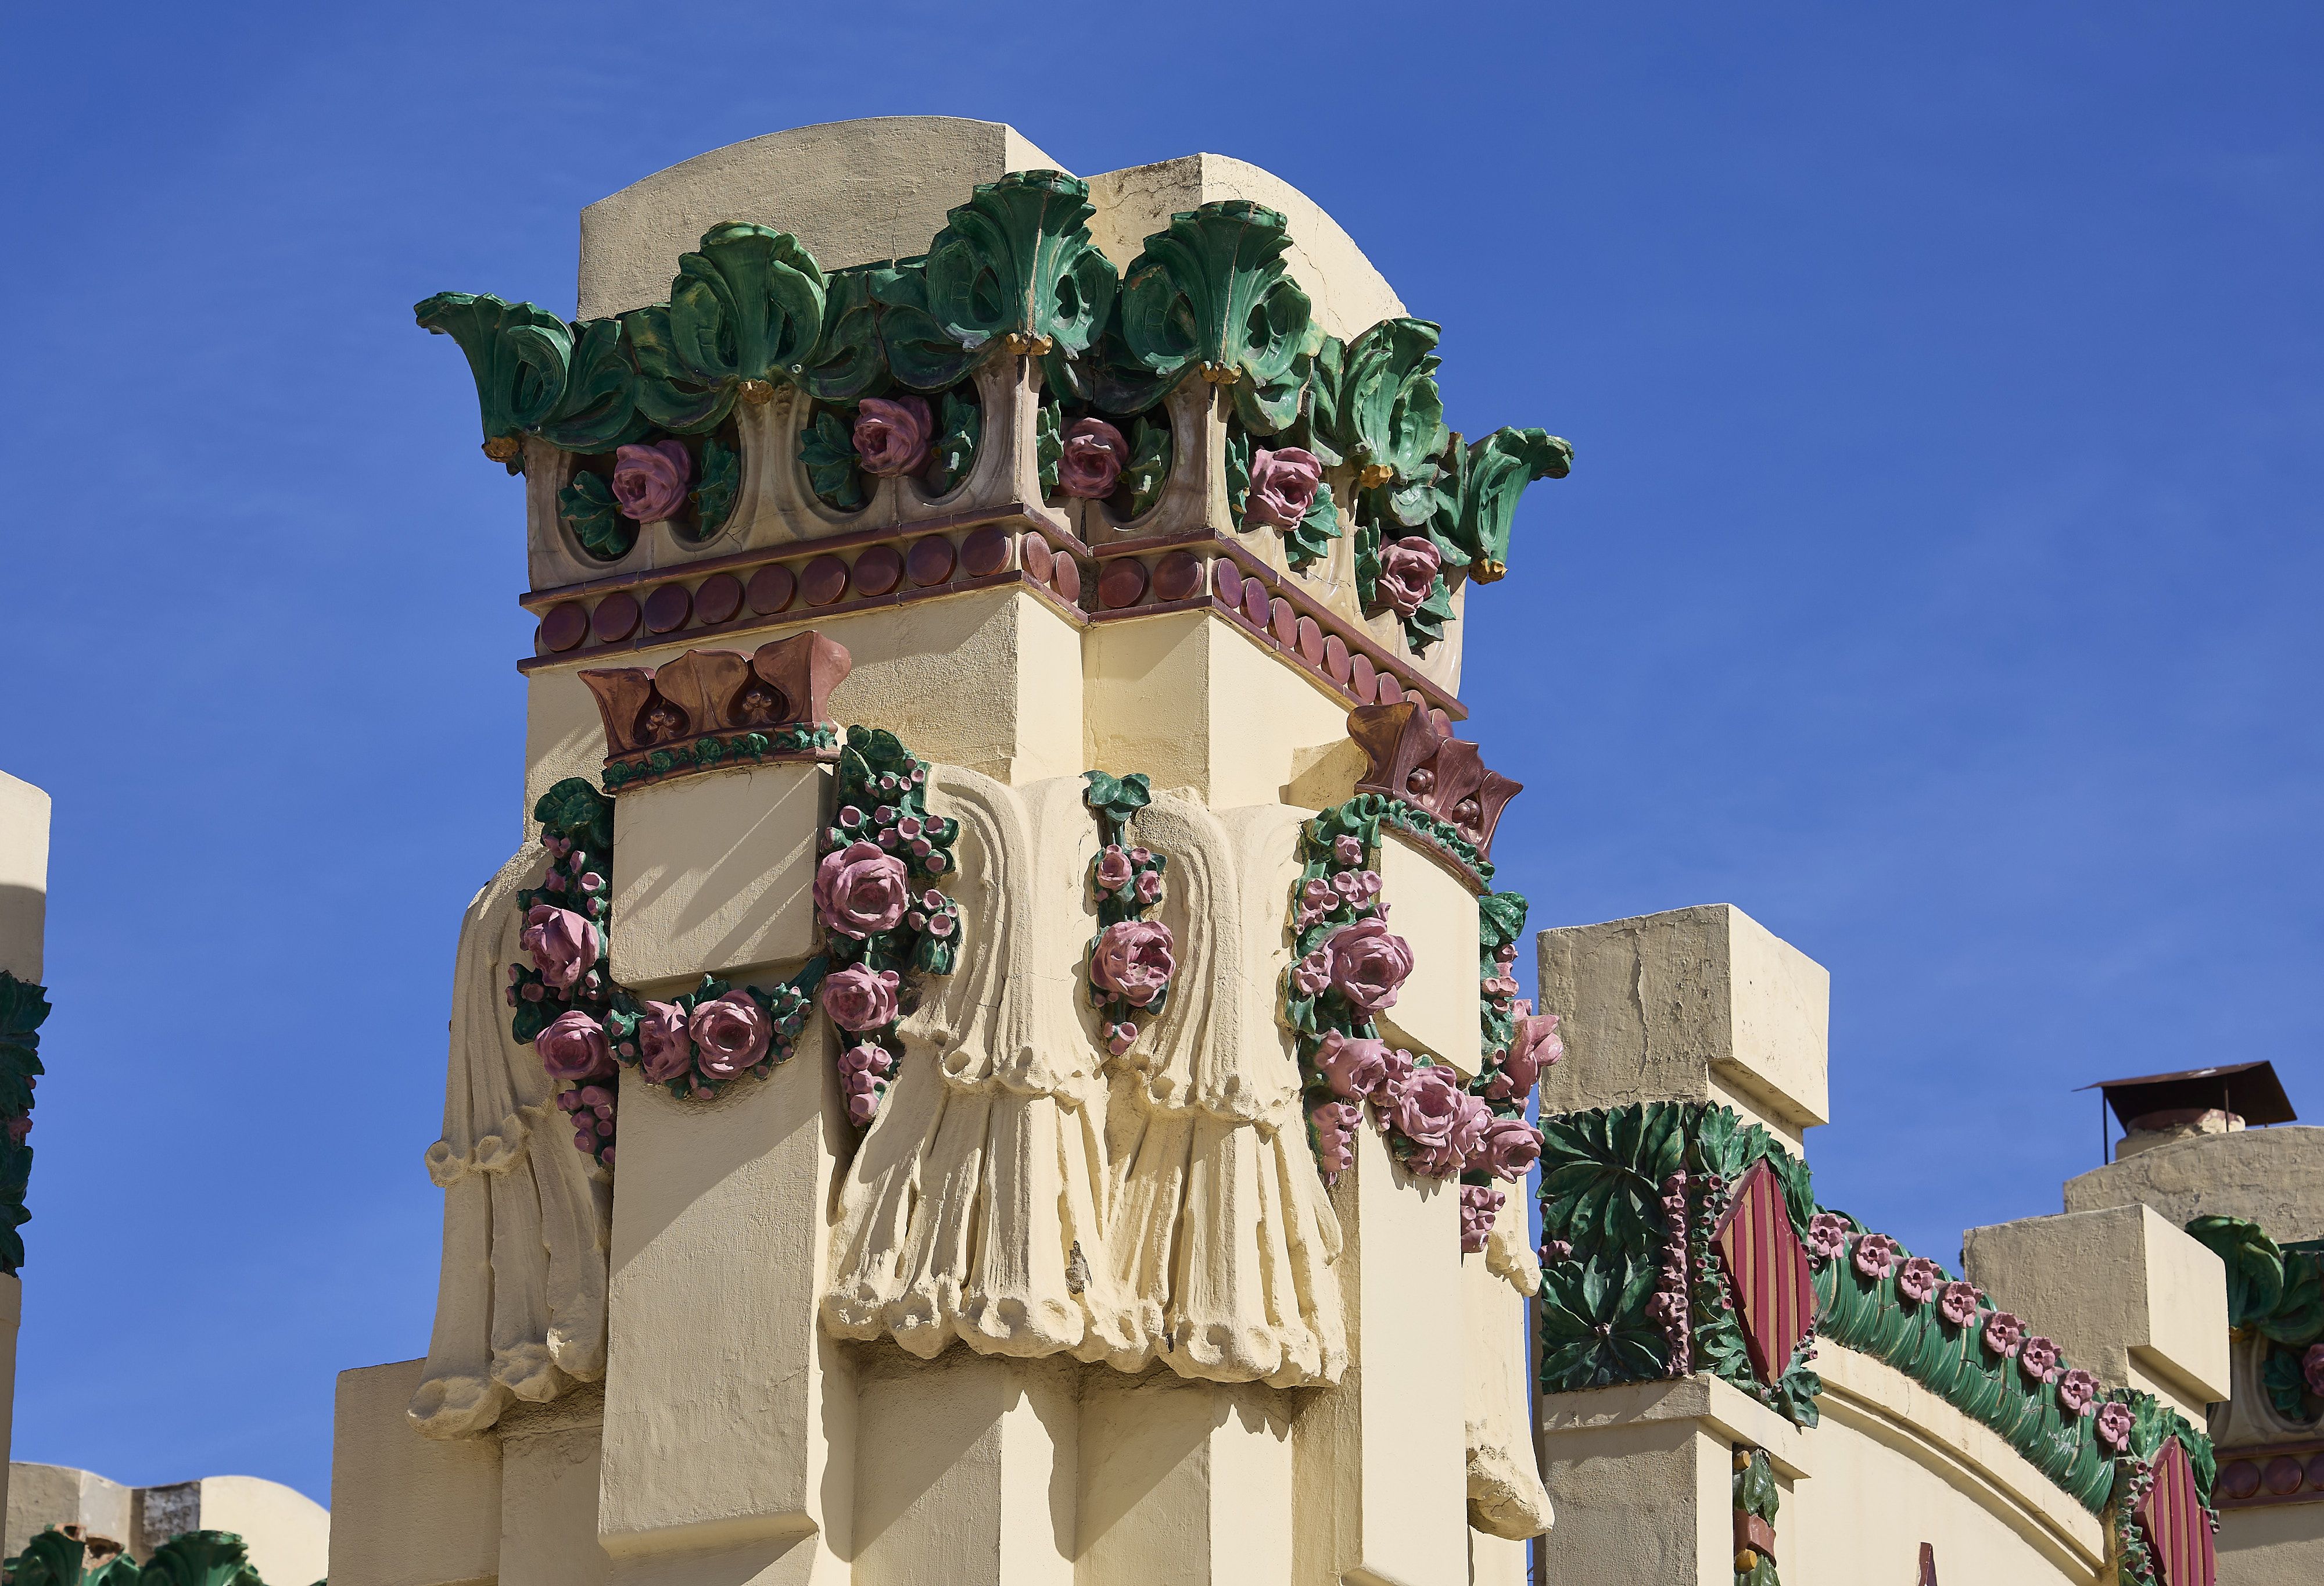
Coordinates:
<point>650,483</point>
<point>1518,1045</point>
<point>1281,489</point>
<point>1130,958</point>
<point>890,437</point>
<point>874,898</point>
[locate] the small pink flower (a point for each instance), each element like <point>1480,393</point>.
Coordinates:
<point>1368,963</point>
<point>2077,1391</point>
<point>1827,1234</point>
<point>1535,1048</point>
<point>564,945</point>
<point>1348,850</point>
<point>1150,886</point>
<point>870,1058</point>
<point>1283,487</point>
<point>1957,1302</point>
<point>2312,1367</point>
<point>731,1033</point>
<point>1141,858</point>
<point>664,1052</point>
<point>2005,1333</point>
<point>2114,1425</point>
<point>1113,870</point>
<point>1357,886</point>
<point>2038,1359</point>
<point>1094,453</point>
<point>1500,987</point>
<point>1408,571</point>
<point>892,434</point>
<point>859,890</point>
<point>1876,1256</point>
<point>1120,1038</point>
<point>1132,959</point>
<point>857,997</point>
<point>1425,1107</point>
<point>650,481</point>
<point>1919,1279</point>
<point>1335,1127</point>
<point>573,1047</point>
<point>1510,1149</point>
<point>1355,1066</point>
<point>1480,1205</point>
<point>1311,974</point>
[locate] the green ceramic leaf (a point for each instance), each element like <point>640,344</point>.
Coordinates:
<point>49,1559</point>
<point>2286,1383</point>
<point>1320,427</point>
<point>595,518</point>
<point>1594,1326</point>
<point>1213,289</point>
<point>961,426</point>
<point>597,410</point>
<point>1390,414</point>
<point>827,453</point>
<point>2254,1261</point>
<point>579,814</point>
<point>713,493</point>
<point>921,353</point>
<point>1601,1174</point>
<point>1493,475</point>
<point>23,1009</point>
<point>518,377</point>
<point>1500,918</point>
<point>1048,446</point>
<point>1149,469</point>
<point>1018,258</point>
<point>1237,467</point>
<point>1755,1492</point>
<point>1309,541</point>
<point>1425,627</point>
<point>201,1558</point>
<point>747,305</point>
<point>850,357</point>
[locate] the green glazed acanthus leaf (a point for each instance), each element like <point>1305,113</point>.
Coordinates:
<point>1212,290</point>
<point>1017,257</point>
<point>1475,523</point>
<point>518,377</point>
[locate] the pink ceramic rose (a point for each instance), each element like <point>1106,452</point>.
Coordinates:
<point>1876,1255</point>
<point>2005,1333</point>
<point>1348,850</point>
<point>1957,1302</point>
<point>858,997</point>
<point>1535,1048</point>
<point>2077,1390</point>
<point>564,945</point>
<point>1480,1206</point>
<point>573,1047</point>
<point>1510,1149</point>
<point>1425,1107</point>
<point>2037,1357</point>
<point>1132,959</point>
<point>1827,1234</point>
<point>2312,1367</point>
<point>664,1051</point>
<point>2114,1425</point>
<point>1469,1125</point>
<point>1311,976</point>
<point>650,481</point>
<point>1369,964</point>
<point>1918,1279</point>
<point>1355,1066</point>
<point>731,1032</point>
<point>1335,1123</point>
<point>1283,487</point>
<point>860,889</point>
<point>1094,454</point>
<point>1113,868</point>
<point>892,434</point>
<point>1408,571</point>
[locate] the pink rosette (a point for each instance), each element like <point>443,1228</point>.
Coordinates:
<point>650,481</point>
<point>1480,1206</point>
<point>1408,571</point>
<point>893,435</point>
<point>2077,1390</point>
<point>1469,1125</point>
<point>1510,1149</point>
<point>2037,1357</point>
<point>1114,871</point>
<point>1368,963</point>
<point>1827,1234</point>
<point>2005,1333</point>
<point>1355,1066</point>
<point>860,889</point>
<point>1919,1279</point>
<point>664,1051</point>
<point>1150,886</point>
<point>573,1047</point>
<point>1094,456</point>
<point>1349,850</point>
<point>1425,1107</point>
<point>1957,1302</point>
<point>2114,1425</point>
<point>730,1033</point>
<point>1311,976</point>
<point>1535,1048</point>
<point>564,945</point>
<point>1876,1256</point>
<point>1133,959</point>
<point>857,997</point>
<point>1283,485</point>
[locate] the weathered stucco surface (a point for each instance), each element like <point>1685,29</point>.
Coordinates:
<point>2274,1177</point>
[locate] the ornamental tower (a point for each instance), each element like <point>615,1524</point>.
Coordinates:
<point>995,1059</point>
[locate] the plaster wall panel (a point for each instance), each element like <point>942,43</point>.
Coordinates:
<point>1183,1483</point>
<point>1193,703</point>
<point>713,874</point>
<point>1349,293</point>
<point>41,1496</point>
<point>729,1424</point>
<point>875,188</point>
<point>550,1471</point>
<point>2274,1177</point>
<point>2277,1545</point>
<point>967,1471</point>
<point>407,1510</point>
<point>24,875</point>
<point>1436,1009</point>
<point>289,1533</point>
<point>1381,1497</point>
<point>2124,1295</point>
<point>991,680</point>
<point>1700,1004</point>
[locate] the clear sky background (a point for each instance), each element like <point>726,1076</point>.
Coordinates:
<point>1938,578</point>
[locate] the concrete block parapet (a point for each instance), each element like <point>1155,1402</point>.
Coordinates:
<point>1700,1004</point>
<point>2124,1292</point>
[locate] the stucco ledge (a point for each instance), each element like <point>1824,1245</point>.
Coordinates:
<point>1729,1411</point>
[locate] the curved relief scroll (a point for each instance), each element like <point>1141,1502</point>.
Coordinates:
<point>521,1303</point>
<point>1017,1195</point>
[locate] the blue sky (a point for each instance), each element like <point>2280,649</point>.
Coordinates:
<point>1936,581</point>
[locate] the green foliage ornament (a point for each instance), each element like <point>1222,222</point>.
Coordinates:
<point>827,453</point>
<point>1383,413</point>
<point>1016,260</point>
<point>960,429</point>
<point>713,493</point>
<point>2276,1292</point>
<point>201,1558</point>
<point>1211,293</point>
<point>23,1008</point>
<point>1309,541</point>
<point>1048,445</point>
<point>596,517</point>
<point>1756,1497</point>
<point>1149,469</point>
<point>746,311</point>
<point>1596,1330</point>
<point>1477,497</point>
